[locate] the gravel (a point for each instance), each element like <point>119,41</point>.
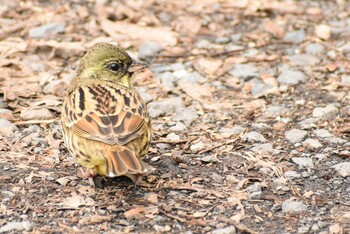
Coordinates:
<point>345,81</point>
<point>304,59</point>
<point>178,127</point>
<point>36,114</point>
<point>186,115</point>
<point>16,226</point>
<point>314,48</point>
<point>253,137</point>
<point>293,207</point>
<point>328,111</point>
<point>254,191</point>
<point>343,169</point>
<point>226,230</point>
<point>5,113</point>
<point>265,148</point>
<point>303,162</point>
<point>322,133</point>
<point>165,107</point>
<point>312,144</point>
<point>149,48</point>
<point>6,127</point>
<point>295,135</point>
<point>46,30</point>
<point>290,77</point>
<point>244,71</point>
<point>295,36</point>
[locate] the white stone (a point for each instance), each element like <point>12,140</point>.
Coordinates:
<point>303,162</point>
<point>312,144</point>
<point>295,135</point>
<point>343,169</point>
<point>329,110</point>
<point>293,207</point>
<point>254,137</point>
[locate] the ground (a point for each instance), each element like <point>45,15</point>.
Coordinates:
<point>249,105</point>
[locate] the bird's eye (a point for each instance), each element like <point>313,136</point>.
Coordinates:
<point>113,67</point>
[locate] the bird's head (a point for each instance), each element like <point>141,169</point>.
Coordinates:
<point>107,62</point>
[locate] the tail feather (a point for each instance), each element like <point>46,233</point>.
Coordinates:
<point>123,161</point>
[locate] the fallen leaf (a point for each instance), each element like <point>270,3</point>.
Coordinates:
<point>208,65</point>
<point>125,31</point>
<point>152,197</point>
<point>197,91</point>
<point>12,45</point>
<point>95,219</point>
<point>76,201</point>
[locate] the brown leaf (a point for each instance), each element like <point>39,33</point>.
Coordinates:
<point>95,219</point>
<point>122,31</point>
<point>196,91</point>
<point>209,65</point>
<point>274,28</point>
<point>76,201</point>
<point>188,25</point>
<point>12,45</point>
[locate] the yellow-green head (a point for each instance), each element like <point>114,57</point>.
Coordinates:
<point>106,62</point>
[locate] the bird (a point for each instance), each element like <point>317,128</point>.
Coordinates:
<point>106,124</point>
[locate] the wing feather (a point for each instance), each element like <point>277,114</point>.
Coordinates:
<point>101,114</point>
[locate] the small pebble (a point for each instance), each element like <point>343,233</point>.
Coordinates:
<point>322,133</point>
<point>47,30</point>
<point>293,207</point>
<point>244,71</point>
<point>343,169</point>
<point>254,137</point>
<point>197,146</point>
<point>226,230</point>
<point>290,77</point>
<point>166,106</point>
<point>173,137</point>
<point>312,144</point>
<point>254,191</point>
<point>149,48</point>
<point>295,36</point>
<point>303,162</point>
<point>295,135</point>
<point>178,127</point>
<point>328,111</point>
<point>36,114</point>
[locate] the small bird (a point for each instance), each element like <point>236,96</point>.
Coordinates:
<point>106,125</point>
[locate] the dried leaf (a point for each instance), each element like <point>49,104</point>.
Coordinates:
<point>122,31</point>
<point>76,201</point>
<point>12,45</point>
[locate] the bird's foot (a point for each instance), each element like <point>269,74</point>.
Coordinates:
<point>87,173</point>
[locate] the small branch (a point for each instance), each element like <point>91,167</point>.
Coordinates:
<point>35,121</point>
<point>218,53</point>
<point>174,142</point>
<point>242,228</point>
<point>172,216</point>
<point>219,145</point>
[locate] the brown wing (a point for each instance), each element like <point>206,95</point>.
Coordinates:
<point>106,113</point>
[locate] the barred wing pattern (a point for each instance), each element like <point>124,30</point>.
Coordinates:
<point>113,123</point>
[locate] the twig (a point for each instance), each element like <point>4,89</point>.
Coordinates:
<point>210,209</point>
<point>36,121</point>
<point>240,227</point>
<point>172,216</point>
<point>218,53</point>
<point>174,142</point>
<point>219,145</point>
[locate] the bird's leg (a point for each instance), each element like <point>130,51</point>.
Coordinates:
<point>88,173</point>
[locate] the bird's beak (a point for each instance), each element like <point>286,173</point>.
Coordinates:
<point>137,66</point>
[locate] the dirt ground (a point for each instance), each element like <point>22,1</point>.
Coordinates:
<point>250,110</point>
